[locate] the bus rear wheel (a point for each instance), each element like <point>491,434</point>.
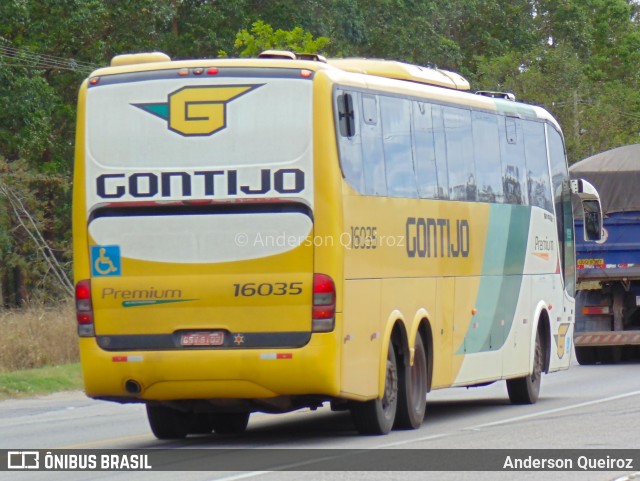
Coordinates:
<point>168,423</point>
<point>412,390</point>
<point>229,423</point>
<point>377,416</point>
<point>525,390</point>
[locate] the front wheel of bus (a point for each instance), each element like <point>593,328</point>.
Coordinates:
<point>525,390</point>
<point>377,416</point>
<point>167,423</point>
<point>412,390</point>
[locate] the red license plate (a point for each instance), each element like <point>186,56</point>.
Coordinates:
<point>215,338</point>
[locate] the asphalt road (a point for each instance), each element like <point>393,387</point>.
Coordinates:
<point>587,407</point>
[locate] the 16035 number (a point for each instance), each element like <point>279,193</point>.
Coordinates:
<point>267,289</point>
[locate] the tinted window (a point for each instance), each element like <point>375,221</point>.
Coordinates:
<point>538,183</point>
<point>462,176</point>
<point>375,182</point>
<point>369,109</point>
<point>398,156</point>
<point>350,146</point>
<point>424,151</point>
<point>564,212</point>
<point>486,149</point>
<point>514,170</point>
<point>441,151</point>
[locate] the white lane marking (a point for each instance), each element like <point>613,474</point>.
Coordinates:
<point>515,419</point>
<point>557,410</point>
<point>253,474</point>
<point>629,477</point>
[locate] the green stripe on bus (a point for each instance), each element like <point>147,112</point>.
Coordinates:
<point>500,283</point>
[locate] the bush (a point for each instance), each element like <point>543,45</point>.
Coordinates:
<point>38,336</point>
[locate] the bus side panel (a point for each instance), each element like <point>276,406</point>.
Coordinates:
<point>562,335</point>
<point>487,309</point>
<point>472,329</point>
<point>443,334</point>
<point>81,267</point>
<point>361,338</point>
<point>517,352</point>
<point>402,300</point>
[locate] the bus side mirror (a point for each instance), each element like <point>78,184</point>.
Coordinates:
<point>592,220</point>
<point>590,199</point>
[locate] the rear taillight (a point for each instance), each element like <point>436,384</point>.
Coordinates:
<point>84,309</point>
<point>596,310</point>
<point>324,303</point>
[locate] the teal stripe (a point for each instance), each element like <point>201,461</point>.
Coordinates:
<point>504,257</point>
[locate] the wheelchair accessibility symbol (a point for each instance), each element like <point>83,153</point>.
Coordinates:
<point>105,261</point>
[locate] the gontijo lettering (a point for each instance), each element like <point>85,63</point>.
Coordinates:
<point>200,183</point>
<point>430,237</point>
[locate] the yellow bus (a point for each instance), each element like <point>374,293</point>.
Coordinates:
<point>270,234</point>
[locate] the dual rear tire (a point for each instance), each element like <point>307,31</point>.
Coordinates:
<point>404,402</point>
<point>169,423</point>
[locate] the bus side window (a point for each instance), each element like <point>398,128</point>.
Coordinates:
<point>538,184</point>
<point>487,154</point>
<point>424,151</point>
<point>350,146</point>
<point>375,182</point>
<point>440,144</point>
<point>398,154</point>
<point>462,172</point>
<point>369,110</point>
<point>564,212</point>
<point>512,159</point>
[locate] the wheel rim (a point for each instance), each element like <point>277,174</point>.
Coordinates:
<point>390,387</point>
<point>418,381</point>
<point>537,362</point>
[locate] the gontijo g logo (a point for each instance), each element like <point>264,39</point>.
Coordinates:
<point>199,110</point>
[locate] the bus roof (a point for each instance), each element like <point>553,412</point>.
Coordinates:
<point>389,69</point>
<point>381,68</point>
<point>402,71</point>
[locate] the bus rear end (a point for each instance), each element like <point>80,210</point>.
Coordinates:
<point>193,215</point>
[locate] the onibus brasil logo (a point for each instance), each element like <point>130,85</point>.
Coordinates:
<point>199,110</point>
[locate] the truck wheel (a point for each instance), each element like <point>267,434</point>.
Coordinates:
<point>610,354</point>
<point>412,390</point>
<point>377,416</point>
<point>168,423</point>
<point>586,355</point>
<point>229,423</point>
<point>525,390</point>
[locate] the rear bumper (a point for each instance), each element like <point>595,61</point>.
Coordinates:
<point>613,272</point>
<point>607,338</point>
<point>213,374</point>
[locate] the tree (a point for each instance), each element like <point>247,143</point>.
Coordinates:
<point>578,58</point>
<point>263,37</point>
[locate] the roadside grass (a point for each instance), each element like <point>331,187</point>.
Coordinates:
<point>38,350</point>
<point>40,381</point>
